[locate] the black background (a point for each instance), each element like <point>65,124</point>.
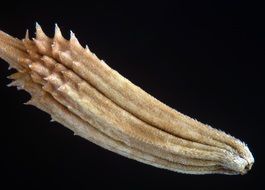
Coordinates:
<point>205,59</point>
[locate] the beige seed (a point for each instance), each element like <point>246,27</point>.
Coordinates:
<point>84,94</point>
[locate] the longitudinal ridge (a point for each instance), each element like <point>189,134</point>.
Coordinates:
<point>84,94</point>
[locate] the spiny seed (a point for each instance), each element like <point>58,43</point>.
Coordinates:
<point>84,94</point>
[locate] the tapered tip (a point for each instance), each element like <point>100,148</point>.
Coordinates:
<point>72,35</point>
<point>37,25</point>
<point>74,41</point>
<point>57,33</point>
<point>40,35</point>
<point>27,34</point>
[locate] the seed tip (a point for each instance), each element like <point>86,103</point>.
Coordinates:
<point>72,35</point>
<point>27,34</point>
<point>57,32</point>
<point>37,25</point>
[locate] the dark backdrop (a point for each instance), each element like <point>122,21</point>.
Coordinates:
<point>204,59</point>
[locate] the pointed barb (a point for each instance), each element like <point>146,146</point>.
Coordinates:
<point>72,34</point>
<point>103,62</point>
<point>75,133</point>
<point>40,35</point>
<point>27,34</point>
<point>57,27</point>
<point>94,55</point>
<point>57,33</point>
<point>73,38</point>
<point>38,28</point>
<point>87,49</point>
<point>30,102</point>
<point>74,41</point>
<point>19,88</point>
<point>37,25</point>
<point>15,76</point>
<point>13,83</point>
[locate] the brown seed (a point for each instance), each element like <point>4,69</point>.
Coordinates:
<point>84,94</point>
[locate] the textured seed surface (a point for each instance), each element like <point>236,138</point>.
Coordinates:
<point>85,95</point>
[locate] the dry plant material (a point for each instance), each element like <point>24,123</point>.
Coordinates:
<point>85,95</point>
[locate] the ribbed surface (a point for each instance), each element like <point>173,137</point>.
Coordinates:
<point>84,94</point>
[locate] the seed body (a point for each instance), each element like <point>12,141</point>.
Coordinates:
<point>84,94</point>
